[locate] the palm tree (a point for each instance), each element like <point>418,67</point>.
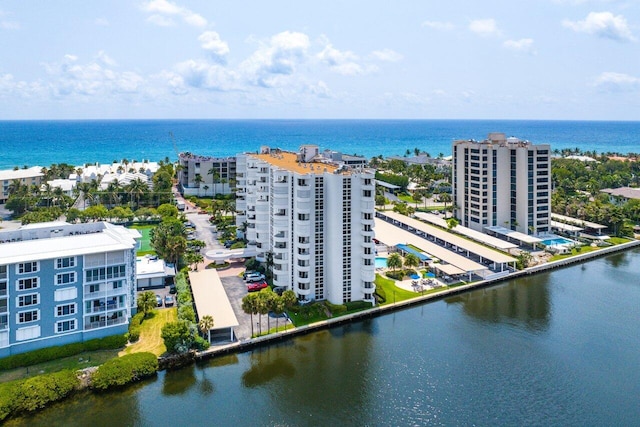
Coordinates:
<point>249,306</point>
<point>198,180</point>
<point>206,324</point>
<point>411,260</point>
<point>216,178</point>
<point>394,261</point>
<point>277,307</point>
<point>136,189</point>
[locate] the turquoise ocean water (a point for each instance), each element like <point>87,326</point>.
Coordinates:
<point>77,142</point>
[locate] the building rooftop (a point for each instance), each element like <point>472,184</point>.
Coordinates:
<point>211,299</point>
<point>626,192</point>
<point>149,267</point>
<point>60,239</point>
<point>21,173</point>
<point>289,161</point>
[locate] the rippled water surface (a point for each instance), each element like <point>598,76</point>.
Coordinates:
<point>560,348</point>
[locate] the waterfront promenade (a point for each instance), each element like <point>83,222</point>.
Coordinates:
<point>247,344</point>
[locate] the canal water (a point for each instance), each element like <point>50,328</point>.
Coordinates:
<point>558,348</point>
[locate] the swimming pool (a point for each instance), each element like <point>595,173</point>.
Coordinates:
<point>557,241</point>
<point>381,262</point>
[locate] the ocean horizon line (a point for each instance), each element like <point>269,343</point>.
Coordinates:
<point>346,119</point>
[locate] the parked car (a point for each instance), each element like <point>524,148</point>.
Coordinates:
<point>168,301</point>
<point>172,289</point>
<point>279,290</point>
<point>158,300</point>
<point>256,286</point>
<point>254,277</point>
<point>247,272</point>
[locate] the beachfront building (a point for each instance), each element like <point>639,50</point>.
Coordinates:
<point>503,182</point>
<point>28,177</point>
<point>204,175</point>
<point>313,219</point>
<point>62,283</point>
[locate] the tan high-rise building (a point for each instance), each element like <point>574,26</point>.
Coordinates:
<point>502,182</point>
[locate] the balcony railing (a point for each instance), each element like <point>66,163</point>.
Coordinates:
<point>103,323</point>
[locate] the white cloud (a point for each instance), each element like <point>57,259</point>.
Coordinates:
<point>105,59</point>
<point>161,21</point>
<point>102,22</point>
<point>9,25</point>
<point>602,24</point>
<point>280,56</point>
<point>437,25</point>
<point>320,90</point>
<point>212,43</point>
<point>522,45</point>
<point>341,62</point>
<point>484,27</point>
<point>70,77</point>
<point>386,55</point>
<point>163,10</point>
<point>617,82</point>
<point>203,75</point>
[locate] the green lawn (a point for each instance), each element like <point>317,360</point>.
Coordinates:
<point>618,240</point>
<point>392,292</point>
<point>78,361</point>
<point>145,241</point>
<point>574,252</point>
<point>150,339</point>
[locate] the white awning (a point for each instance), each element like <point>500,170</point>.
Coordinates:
<point>211,299</point>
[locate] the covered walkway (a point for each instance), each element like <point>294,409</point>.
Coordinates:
<point>497,261</point>
<point>393,235</point>
<point>211,299</point>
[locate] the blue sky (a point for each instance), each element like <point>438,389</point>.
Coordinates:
<point>459,59</point>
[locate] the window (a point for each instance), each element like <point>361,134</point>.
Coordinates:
<point>65,310</point>
<point>29,283</point>
<point>66,262</point>
<point>65,278</point>
<point>66,326</point>
<point>28,267</point>
<point>27,300</point>
<point>28,316</point>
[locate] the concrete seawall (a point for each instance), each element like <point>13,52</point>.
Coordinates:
<point>246,345</point>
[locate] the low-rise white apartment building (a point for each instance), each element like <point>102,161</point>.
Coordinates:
<point>502,182</point>
<point>29,176</point>
<point>315,217</point>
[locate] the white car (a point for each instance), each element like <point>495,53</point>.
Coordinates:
<point>254,277</point>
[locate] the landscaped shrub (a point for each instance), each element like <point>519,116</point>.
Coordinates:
<point>357,305</point>
<point>200,343</point>
<point>36,392</point>
<point>135,326</point>
<point>57,352</point>
<point>186,312</point>
<point>335,309</point>
<point>124,370</point>
<point>380,294</point>
<point>397,274</point>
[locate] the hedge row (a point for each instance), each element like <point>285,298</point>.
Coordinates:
<point>135,326</point>
<point>36,392</point>
<point>125,369</point>
<point>357,305</point>
<point>57,352</point>
<point>184,298</point>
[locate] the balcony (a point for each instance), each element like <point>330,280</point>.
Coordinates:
<point>104,323</point>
